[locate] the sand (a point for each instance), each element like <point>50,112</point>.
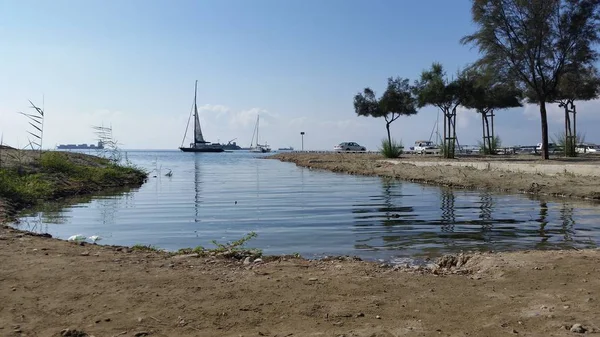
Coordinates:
<point>51,287</point>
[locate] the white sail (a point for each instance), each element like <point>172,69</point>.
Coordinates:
<point>198,138</point>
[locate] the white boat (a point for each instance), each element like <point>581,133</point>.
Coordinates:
<point>257,147</point>
<point>199,144</point>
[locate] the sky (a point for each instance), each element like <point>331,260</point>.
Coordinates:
<point>298,63</point>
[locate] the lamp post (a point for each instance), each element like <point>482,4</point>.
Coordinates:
<point>302,134</point>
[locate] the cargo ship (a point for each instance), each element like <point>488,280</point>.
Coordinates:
<point>100,146</point>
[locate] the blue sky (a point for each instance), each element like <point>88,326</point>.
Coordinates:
<point>132,64</point>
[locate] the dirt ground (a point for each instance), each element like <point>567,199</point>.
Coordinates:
<point>50,285</point>
<point>562,185</point>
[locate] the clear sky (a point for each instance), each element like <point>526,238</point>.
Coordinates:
<point>132,64</point>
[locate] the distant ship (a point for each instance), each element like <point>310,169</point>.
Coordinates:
<point>231,145</point>
<point>286,149</point>
<point>100,146</point>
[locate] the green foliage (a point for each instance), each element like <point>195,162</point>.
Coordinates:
<point>229,249</point>
<point>391,150</point>
<point>235,245</point>
<point>567,146</point>
<point>485,149</point>
<point>433,88</point>
<point>145,248</point>
<point>484,91</point>
<point>24,189</point>
<point>57,174</point>
<point>536,44</point>
<point>397,100</point>
<point>57,162</point>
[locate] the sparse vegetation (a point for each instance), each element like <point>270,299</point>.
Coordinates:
<point>145,248</point>
<point>233,249</point>
<point>566,143</point>
<point>27,179</point>
<point>490,147</point>
<point>391,149</point>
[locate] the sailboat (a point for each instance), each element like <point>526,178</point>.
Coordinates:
<point>258,147</point>
<point>199,144</point>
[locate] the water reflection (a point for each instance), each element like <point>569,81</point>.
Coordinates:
<point>313,212</point>
<point>447,199</point>
<point>197,186</point>
<point>107,204</point>
<point>467,221</point>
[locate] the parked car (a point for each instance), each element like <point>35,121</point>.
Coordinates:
<point>425,146</point>
<point>349,146</point>
<point>587,148</point>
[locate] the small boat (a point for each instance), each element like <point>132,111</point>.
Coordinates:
<point>258,147</point>
<point>199,144</point>
<point>285,149</point>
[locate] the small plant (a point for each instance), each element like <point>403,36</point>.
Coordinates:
<point>485,148</point>
<point>145,248</point>
<point>566,144</point>
<point>391,149</point>
<point>36,120</point>
<point>235,245</point>
<point>110,147</point>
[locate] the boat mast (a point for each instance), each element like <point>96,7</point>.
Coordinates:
<point>257,119</point>
<point>195,113</point>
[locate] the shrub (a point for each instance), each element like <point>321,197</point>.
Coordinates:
<point>393,150</point>
<point>496,144</point>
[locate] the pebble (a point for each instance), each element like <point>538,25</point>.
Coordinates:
<point>578,328</point>
<point>85,254</point>
<point>247,261</point>
<point>313,279</point>
<point>360,314</point>
<point>259,260</point>
<point>141,334</point>
<point>378,317</point>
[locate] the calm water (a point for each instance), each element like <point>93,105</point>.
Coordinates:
<point>224,196</point>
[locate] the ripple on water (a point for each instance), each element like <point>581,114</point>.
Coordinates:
<point>295,210</point>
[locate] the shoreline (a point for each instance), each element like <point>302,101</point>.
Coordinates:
<point>53,287</point>
<point>499,174</point>
<point>57,288</point>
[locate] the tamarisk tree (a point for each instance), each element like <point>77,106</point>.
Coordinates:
<point>536,42</point>
<point>396,101</point>
<point>486,93</point>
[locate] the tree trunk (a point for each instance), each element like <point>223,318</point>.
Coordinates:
<point>483,131</point>
<point>387,126</point>
<point>489,138</point>
<point>544,119</point>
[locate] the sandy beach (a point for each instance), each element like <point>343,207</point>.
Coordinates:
<point>52,287</point>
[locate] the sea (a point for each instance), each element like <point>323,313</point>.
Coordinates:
<point>202,199</point>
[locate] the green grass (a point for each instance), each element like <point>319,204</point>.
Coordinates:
<point>393,150</point>
<point>145,248</point>
<point>57,174</point>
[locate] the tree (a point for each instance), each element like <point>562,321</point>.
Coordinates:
<point>435,89</point>
<point>581,84</point>
<point>396,101</point>
<point>486,93</point>
<point>536,42</point>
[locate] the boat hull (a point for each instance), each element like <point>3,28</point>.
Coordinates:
<point>192,149</point>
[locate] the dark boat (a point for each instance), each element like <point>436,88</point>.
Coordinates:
<point>100,146</point>
<point>199,144</point>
